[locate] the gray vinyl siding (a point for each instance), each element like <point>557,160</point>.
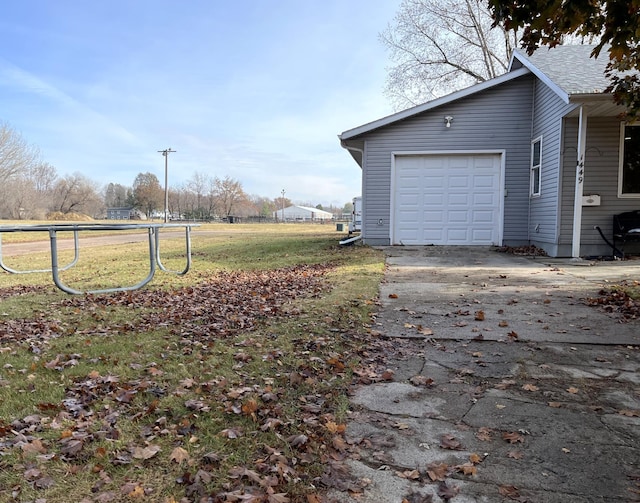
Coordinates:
<point>495,119</point>
<point>600,177</point>
<point>544,218</point>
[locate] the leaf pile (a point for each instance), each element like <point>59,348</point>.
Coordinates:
<point>617,300</point>
<point>525,251</point>
<point>17,290</point>
<point>277,400</point>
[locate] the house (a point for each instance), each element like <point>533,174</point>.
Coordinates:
<point>538,156</point>
<point>125,213</point>
<point>302,213</point>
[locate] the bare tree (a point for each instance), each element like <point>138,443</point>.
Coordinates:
<point>77,193</point>
<point>16,155</point>
<point>439,46</point>
<point>148,193</point>
<point>229,194</point>
<point>198,185</point>
<point>116,195</point>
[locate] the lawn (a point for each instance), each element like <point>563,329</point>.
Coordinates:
<point>227,384</point>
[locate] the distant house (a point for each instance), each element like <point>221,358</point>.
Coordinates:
<point>495,163</point>
<point>302,214</point>
<point>125,213</point>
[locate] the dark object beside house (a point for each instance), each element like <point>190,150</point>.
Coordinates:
<point>626,227</point>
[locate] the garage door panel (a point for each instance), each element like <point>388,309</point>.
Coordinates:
<point>458,198</point>
<point>434,200</point>
<point>483,216</point>
<point>457,236</point>
<point>484,199</point>
<point>458,217</point>
<point>432,183</point>
<point>447,199</point>
<point>458,182</point>
<point>432,234</point>
<point>483,181</point>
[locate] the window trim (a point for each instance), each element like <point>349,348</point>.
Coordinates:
<point>533,190</point>
<point>634,195</point>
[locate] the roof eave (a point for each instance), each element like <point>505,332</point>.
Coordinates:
<point>410,112</point>
<point>561,93</point>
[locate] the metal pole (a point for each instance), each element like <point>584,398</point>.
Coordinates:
<point>282,205</point>
<point>166,153</point>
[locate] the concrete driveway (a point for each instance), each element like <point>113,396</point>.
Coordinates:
<point>506,385</point>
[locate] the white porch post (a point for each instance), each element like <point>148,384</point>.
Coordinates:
<point>577,203</point>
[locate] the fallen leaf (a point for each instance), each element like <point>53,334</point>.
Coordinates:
<point>179,455</point>
<point>475,458</point>
<point>387,375</point>
<point>420,380</point>
<point>437,471</point>
<point>515,454</point>
<point>450,442</point>
<point>34,447</point>
<point>530,387</point>
<point>555,405</point>
<point>484,434</point>
<point>513,437</point>
<point>447,492</point>
<point>573,390</point>
<point>509,491</point>
<point>410,474</point>
<point>425,330</point>
<point>467,469</point>
<point>393,295</point>
<point>503,323</point>
<point>145,452</point>
<point>479,316</point>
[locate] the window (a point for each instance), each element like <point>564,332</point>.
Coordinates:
<point>629,175</point>
<point>536,163</point>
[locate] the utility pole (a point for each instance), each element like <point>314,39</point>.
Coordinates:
<point>282,205</point>
<point>166,153</point>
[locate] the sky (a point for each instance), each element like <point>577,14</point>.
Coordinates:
<point>256,90</point>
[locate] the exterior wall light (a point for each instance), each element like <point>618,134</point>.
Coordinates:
<point>447,121</point>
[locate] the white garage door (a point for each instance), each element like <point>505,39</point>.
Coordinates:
<point>447,200</point>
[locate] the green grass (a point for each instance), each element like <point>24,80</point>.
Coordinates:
<point>269,398</point>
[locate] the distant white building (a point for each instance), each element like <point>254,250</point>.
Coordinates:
<point>302,213</point>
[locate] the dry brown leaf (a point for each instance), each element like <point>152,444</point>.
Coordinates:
<point>410,474</point>
<point>467,469</point>
<point>573,390</point>
<point>249,406</point>
<point>145,452</point>
<point>387,375</point>
<point>450,442</point>
<point>530,387</point>
<point>179,455</point>
<point>34,447</point>
<point>437,471</point>
<point>479,316</point>
<point>475,458</point>
<point>513,437</point>
<point>484,434</point>
<point>509,491</point>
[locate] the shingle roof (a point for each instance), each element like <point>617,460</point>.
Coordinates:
<point>571,67</point>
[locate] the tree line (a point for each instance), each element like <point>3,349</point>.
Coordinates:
<point>32,189</point>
